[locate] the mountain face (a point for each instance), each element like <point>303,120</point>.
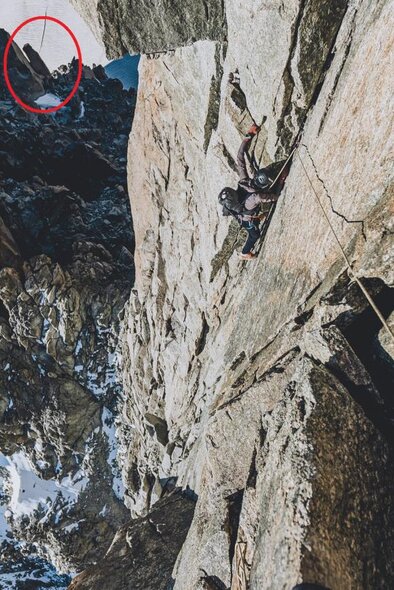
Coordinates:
<point>66,270</point>
<point>263,389</point>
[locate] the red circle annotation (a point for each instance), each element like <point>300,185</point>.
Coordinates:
<point>5,66</point>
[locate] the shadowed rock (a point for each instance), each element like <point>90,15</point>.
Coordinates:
<point>143,552</point>
<point>36,62</point>
<point>26,81</point>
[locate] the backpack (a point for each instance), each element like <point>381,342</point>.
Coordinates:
<point>232,201</point>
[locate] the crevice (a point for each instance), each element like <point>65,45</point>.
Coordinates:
<point>212,118</point>
<point>302,319</point>
<point>230,243</point>
<point>238,97</point>
<point>362,335</point>
<point>327,64</point>
<point>238,360</point>
<point>361,329</point>
<point>206,9</point>
<point>230,160</point>
<point>172,74</point>
<point>252,475</point>
<point>335,211</point>
<point>312,74</point>
<point>4,313</point>
<point>157,426</point>
<point>287,78</point>
<point>134,478</point>
<point>234,506</point>
<point>201,342</point>
<point>339,73</point>
<point>279,366</point>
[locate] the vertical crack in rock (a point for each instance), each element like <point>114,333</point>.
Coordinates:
<point>230,243</point>
<point>252,476</point>
<point>348,45</point>
<point>212,120</point>
<point>288,80</point>
<point>234,506</point>
<point>200,345</point>
<point>206,8</point>
<point>341,8</point>
<point>312,45</point>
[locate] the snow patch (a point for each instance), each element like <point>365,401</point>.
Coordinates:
<point>48,100</point>
<point>3,502</point>
<point>82,113</point>
<point>109,430</point>
<point>29,492</point>
<point>72,527</point>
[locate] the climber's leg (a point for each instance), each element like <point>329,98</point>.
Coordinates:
<point>253,236</point>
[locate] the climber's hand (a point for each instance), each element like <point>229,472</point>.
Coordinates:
<point>253,130</point>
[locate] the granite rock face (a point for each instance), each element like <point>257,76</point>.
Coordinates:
<point>278,502</point>
<point>265,388</point>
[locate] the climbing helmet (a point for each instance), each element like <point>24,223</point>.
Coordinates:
<point>260,179</point>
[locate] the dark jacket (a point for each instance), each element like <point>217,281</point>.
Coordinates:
<point>257,197</point>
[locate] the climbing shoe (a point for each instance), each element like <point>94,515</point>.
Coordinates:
<point>248,256</point>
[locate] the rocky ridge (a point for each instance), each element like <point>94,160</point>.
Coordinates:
<point>266,388</point>
<point>66,269</point>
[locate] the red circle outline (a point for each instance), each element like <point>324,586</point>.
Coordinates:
<point>5,66</point>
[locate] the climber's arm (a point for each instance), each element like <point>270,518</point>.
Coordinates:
<point>260,198</point>
<point>241,162</point>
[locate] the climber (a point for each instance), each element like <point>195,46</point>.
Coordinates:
<point>245,202</point>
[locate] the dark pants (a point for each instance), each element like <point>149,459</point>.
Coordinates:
<point>252,227</point>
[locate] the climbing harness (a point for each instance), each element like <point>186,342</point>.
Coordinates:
<point>345,257</point>
<point>247,217</point>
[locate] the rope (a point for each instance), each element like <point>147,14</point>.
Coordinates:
<point>284,165</point>
<point>267,221</point>
<point>239,581</point>
<point>43,31</point>
<point>346,258</point>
